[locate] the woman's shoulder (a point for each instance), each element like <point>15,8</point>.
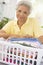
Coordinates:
<point>34,20</point>
<point>12,22</point>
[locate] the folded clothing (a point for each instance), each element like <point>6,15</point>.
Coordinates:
<point>27,41</point>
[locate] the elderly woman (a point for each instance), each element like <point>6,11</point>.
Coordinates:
<point>23,26</point>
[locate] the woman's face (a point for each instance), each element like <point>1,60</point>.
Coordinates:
<point>22,13</point>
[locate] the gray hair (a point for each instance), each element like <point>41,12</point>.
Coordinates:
<point>25,3</point>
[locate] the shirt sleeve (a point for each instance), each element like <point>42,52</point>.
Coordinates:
<point>7,27</point>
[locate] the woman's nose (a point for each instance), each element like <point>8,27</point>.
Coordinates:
<point>21,13</point>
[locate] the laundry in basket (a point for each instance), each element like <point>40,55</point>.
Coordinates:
<point>27,41</point>
<point>15,53</point>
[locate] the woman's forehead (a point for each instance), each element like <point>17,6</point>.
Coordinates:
<point>22,7</point>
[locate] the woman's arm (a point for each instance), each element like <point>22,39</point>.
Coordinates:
<point>20,36</point>
<point>4,34</point>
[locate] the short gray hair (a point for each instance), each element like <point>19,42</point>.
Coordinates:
<point>25,3</point>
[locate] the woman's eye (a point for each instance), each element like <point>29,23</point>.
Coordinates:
<point>19,10</point>
<point>25,12</point>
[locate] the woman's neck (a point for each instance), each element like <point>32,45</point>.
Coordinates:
<point>20,23</point>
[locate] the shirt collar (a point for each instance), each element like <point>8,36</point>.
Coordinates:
<point>25,22</point>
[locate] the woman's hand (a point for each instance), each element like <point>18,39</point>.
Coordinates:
<point>14,36</point>
<point>26,36</point>
<point>22,36</point>
<point>41,39</point>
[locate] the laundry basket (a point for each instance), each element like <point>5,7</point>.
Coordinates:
<point>16,54</point>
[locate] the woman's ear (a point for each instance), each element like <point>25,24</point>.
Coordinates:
<point>41,39</point>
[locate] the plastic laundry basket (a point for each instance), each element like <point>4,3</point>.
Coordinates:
<point>14,53</point>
